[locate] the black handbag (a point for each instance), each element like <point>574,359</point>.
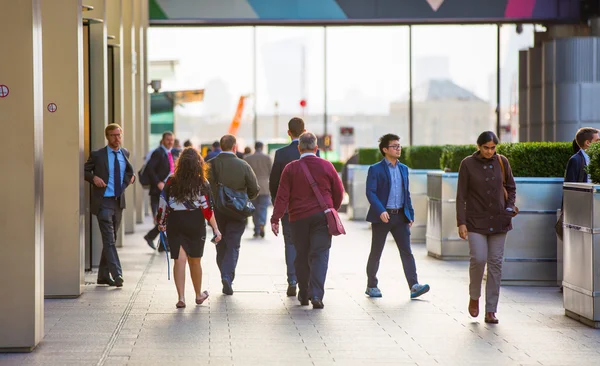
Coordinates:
<point>232,203</point>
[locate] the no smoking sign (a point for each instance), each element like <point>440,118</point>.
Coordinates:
<point>52,107</point>
<point>4,91</point>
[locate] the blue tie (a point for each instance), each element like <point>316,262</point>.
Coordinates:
<point>117,174</point>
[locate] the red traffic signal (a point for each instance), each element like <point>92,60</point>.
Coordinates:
<point>303,103</point>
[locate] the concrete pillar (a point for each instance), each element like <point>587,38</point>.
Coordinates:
<point>114,28</point>
<point>22,224</point>
<point>129,112</point>
<point>140,105</point>
<point>98,100</point>
<point>63,148</point>
<point>523,97</point>
<point>145,82</point>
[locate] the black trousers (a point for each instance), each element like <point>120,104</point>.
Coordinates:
<point>228,249</point>
<point>154,201</point>
<point>109,220</point>
<point>398,226</point>
<point>312,240</point>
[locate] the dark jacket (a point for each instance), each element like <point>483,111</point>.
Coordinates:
<point>378,191</point>
<point>234,173</point>
<point>283,157</point>
<point>157,169</point>
<point>480,203</point>
<point>576,169</point>
<point>296,194</point>
<point>97,165</point>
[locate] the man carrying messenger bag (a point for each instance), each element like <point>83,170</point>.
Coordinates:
<point>233,184</point>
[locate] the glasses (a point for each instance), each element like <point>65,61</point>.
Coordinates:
<point>396,147</point>
<point>114,135</point>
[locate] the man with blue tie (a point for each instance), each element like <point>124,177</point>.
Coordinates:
<point>109,171</point>
<point>391,211</point>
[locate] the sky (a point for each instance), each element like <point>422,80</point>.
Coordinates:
<point>367,67</point>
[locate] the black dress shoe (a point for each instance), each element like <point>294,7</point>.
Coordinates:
<point>119,281</point>
<point>150,242</point>
<point>303,300</point>
<point>227,289</point>
<point>105,281</point>
<point>317,303</point>
<point>291,290</point>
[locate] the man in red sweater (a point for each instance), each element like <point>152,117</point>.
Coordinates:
<point>309,224</point>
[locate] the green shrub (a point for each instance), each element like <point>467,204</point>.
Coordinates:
<point>538,159</point>
<point>338,165</point>
<point>404,157</point>
<point>368,156</point>
<point>424,157</point>
<point>594,168</point>
<point>452,155</point>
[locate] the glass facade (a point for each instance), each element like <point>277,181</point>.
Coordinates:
<point>353,83</point>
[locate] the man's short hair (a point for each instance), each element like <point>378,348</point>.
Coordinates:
<point>216,145</point>
<point>585,134</point>
<point>384,141</point>
<point>227,142</point>
<point>112,127</point>
<point>165,134</point>
<point>258,145</point>
<point>187,143</point>
<point>307,141</point>
<point>296,126</point>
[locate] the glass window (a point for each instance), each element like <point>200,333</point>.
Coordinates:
<point>367,77</point>
<point>512,39</point>
<point>454,83</point>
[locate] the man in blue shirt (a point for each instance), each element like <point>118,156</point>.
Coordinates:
<point>391,211</point>
<point>110,173</point>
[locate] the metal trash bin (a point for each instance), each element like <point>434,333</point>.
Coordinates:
<point>418,193</point>
<point>357,182</point>
<point>442,240</point>
<point>581,283</point>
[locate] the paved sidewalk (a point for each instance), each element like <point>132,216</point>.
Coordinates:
<point>139,325</point>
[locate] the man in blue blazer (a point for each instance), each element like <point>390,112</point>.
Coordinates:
<point>391,211</point>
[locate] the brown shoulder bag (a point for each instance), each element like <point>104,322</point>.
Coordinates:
<point>504,182</point>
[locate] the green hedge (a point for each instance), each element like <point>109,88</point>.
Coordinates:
<point>594,168</point>
<point>423,157</point>
<point>454,154</point>
<point>338,165</point>
<point>527,159</point>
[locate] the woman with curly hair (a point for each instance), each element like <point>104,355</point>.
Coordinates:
<point>184,205</point>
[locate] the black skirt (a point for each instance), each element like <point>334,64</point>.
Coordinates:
<point>186,229</point>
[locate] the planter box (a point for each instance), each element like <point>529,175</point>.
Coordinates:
<point>581,284</point>
<point>357,183</point>
<point>442,240</point>
<point>530,253</point>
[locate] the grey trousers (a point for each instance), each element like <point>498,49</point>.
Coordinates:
<point>486,249</point>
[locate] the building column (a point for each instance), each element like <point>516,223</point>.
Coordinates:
<point>140,153</point>
<point>129,112</point>
<point>22,224</point>
<point>63,148</point>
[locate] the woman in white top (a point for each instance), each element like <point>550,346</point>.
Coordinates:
<point>185,204</point>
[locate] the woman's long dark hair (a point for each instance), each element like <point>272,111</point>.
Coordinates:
<point>189,179</point>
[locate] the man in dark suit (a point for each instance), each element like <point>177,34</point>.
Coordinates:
<point>391,211</point>
<point>227,169</point>
<point>283,157</point>
<point>158,169</point>
<point>109,171</point>
<point>216,150</point>
<point>576,166</point>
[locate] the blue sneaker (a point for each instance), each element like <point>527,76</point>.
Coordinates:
<point>373,292</point>
<point>418,290</point>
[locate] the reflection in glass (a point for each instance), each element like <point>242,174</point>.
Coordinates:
<point>454,79</point>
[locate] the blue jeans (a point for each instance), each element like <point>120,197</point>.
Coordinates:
<point>260,215</point>
<point>290,250</point>
<point>228,249</point>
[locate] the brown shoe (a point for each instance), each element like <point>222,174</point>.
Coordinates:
<point>180,304</point>
<point>474,307</point>
<point>491,318</point>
